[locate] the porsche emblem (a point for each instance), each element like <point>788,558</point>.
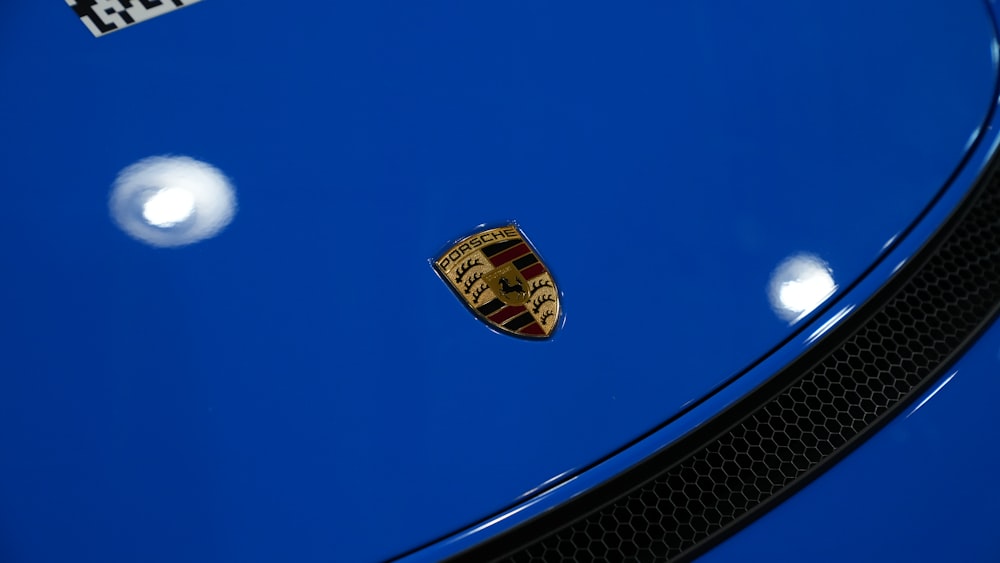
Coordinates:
<point>499,276</point>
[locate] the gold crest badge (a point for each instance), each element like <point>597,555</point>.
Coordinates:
<point>500,277</point>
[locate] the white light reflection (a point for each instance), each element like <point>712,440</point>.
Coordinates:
<point>172,200</point>
<point>799,285</point>
<point>931,394</point>
<point>549,483</point>
<point>829,324</point>
<point>168,207</point>
<point>972,138</point>
<point>889,242</point>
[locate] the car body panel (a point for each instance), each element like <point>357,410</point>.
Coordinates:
<point>922,489</point>
<point>810,333</point>
<point>303,383</point>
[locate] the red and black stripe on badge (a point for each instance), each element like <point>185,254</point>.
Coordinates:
<point>514,318</point>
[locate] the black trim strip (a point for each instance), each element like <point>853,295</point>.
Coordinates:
<point>525,261</point>
<point>492,307</point>
<point>519,322</point>
<point>715,480</point>
<point>494,249</point>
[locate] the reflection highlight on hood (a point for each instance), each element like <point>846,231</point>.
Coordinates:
<point>168,207</point>
<point>800,284</point>
<point>172,200</point>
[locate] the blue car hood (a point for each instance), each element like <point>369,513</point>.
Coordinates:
<point>303,386</point>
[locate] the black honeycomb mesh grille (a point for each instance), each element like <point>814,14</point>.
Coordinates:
<point>807,415</point>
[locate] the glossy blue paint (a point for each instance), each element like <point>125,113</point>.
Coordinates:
<point>810,332</point>
<point>253,398</point>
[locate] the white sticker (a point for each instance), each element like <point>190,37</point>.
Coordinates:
<point>104,16</point>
